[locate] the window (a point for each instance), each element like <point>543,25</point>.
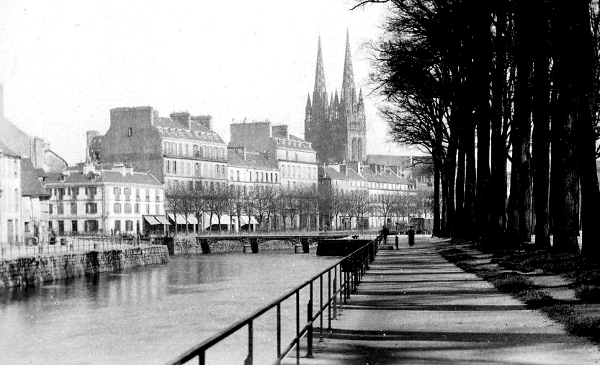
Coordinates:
<point>127,191</point>
<point>60,208</point>
<point>180,149</point>
<point>74,226</point>
<point>167,166</point>
<point>136,208</point>
<point>157,209</point>
<point>90,191</point>
<point>195,149</point>
<point>91,226</point>
<point>91,208</point>
<point>128,225</point>
<point>117,208</point>
<point>174,167</point>
<point>238,175</point>
<point>50,207</point>
<point>117,191</point>
<point>73,208</point>
<point>147,208</point>
<point>197,169</point>
<point>127,208</point>
<point>117,226</point>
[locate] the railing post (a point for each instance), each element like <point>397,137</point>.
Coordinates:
<point>329,299</point>
<point>249,359</point>
<point>321,308</point>
<point>334,297</point>
<point>279,333</point>
<point>309,332</point>
<point>298,327</point>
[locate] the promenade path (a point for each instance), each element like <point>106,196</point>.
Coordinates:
<point>414,307</point>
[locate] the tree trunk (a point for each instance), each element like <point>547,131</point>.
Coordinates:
<point>564,180</point>
<point>582,63</point>
<point>498,143</point>
<point>541,129</point>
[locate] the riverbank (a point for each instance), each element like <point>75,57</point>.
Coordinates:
<point>30,271</point>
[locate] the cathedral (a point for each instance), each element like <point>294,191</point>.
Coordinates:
<point>336,124</point>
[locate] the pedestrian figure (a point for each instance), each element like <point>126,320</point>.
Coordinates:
<point>397,242</point>
<point>411,236</point>
<point>385,232</point>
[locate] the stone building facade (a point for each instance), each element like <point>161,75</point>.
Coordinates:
<point>181,150</point>
<point>295,157</point>
<point>336,124</point>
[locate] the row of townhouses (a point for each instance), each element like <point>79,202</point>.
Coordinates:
<point>121,187</point>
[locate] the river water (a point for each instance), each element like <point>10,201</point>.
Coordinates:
<point>150,315</point>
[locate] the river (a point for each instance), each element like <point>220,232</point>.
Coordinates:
<point>150,315</point>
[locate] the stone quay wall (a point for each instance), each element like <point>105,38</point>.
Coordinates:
<point>29,271</point>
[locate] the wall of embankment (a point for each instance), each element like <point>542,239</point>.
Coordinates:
<point>29,271</point>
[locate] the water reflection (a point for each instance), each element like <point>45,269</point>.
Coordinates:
<point>145,315</point>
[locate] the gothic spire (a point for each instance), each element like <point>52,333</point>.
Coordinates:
<point>348,80</point>
<point>320,87</point>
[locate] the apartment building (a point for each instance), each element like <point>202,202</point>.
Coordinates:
<point>97,199</point>
<point>181,150</point>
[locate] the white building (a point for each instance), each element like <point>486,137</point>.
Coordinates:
<point>11,228</point>
<point>91,199</point>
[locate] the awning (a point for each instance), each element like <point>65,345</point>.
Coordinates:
<point>180,219</point>
<point>192,219</point>
<point>244,220</point>
<point>161,219</point>
<point>151,220</point>
<point>224,219</point>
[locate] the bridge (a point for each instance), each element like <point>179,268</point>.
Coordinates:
<point>251,242</point>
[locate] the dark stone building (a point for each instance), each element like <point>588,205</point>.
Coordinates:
<point>336,124</point>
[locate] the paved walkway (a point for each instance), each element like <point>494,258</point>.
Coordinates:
<point>413,307</point>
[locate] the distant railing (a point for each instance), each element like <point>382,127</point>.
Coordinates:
<point>347,274</point>
<point>67,245</point>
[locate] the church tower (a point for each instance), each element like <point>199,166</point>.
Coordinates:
<point>336,127</point>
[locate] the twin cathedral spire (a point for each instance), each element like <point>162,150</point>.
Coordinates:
<point>336,125</point>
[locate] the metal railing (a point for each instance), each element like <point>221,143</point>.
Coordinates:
<point>347,274</point>
<point>67,245</point>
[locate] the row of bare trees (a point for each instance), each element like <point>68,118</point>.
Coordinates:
<point>499,91</point>
<point>282,208</point>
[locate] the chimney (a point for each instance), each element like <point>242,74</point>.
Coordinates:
<point>280,131</point>
<point>182,118</point>
<point>204,120</point>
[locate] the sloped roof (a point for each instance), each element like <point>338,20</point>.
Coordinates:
<point>30,182</point>
<point>253,160</point>
<point>167,127</point>
<point>386,176</point>
<point>350,174</point>
<point>4,149</point>
<point>389,160</point>
<point>293,143</point>
<point>101,176</point>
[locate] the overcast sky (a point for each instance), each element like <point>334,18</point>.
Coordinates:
<point>65,64</point>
